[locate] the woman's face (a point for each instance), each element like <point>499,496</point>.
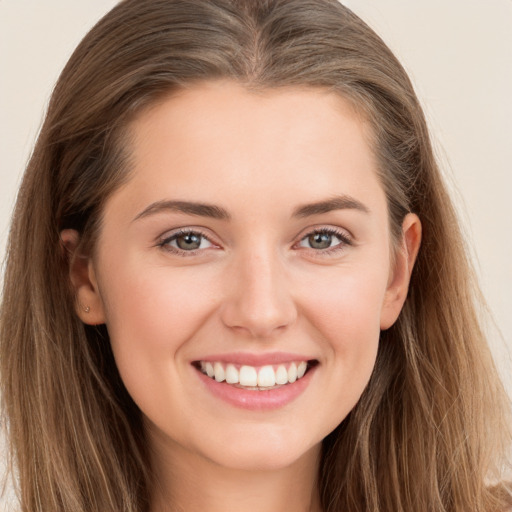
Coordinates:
<point>251,241</point>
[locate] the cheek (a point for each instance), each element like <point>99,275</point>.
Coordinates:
<point>158,305</point>
<point>150,315</point>
<point>347,305</point>
<point>347,316</point>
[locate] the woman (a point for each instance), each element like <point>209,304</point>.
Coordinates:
<point>235,278</point>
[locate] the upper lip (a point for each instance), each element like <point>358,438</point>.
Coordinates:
<point>252,359</point>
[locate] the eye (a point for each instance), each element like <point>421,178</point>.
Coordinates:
<point>325,239</point>
<point>185,241</point>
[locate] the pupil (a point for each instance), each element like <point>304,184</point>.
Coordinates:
<point>320,240</point>
<point>188,241</point>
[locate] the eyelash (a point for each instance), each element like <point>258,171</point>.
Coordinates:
<point>345,240</point>
<point>164,243</point>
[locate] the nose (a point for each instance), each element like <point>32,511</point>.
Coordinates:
<point>258,301</point>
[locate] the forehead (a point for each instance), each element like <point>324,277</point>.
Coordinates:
<point>201,109</point>
<point>220,139</point>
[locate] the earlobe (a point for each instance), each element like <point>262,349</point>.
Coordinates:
<point>89,306</point>
<point>400,277</point>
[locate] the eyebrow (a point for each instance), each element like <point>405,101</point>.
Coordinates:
<point>342,202</point>
<point>190,208</point>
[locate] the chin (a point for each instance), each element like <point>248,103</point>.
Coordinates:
<point>263,452</point>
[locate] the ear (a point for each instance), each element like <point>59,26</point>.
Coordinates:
<point>89,306</point>
<point>398,284</point>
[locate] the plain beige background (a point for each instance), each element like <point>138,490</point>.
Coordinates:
<point>458,53</point>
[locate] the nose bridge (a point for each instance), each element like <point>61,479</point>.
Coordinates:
<point>259,299</point>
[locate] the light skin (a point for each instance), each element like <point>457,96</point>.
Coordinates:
<point>269,273</point>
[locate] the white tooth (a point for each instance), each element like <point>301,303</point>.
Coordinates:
<point>301,369</point>
<point>281,375</point>
<point>266,376</point>
<point>231,374</point>
<point>209,369</point>
<point>220,374</point>
<point>248,376</point>
<point>292,373</point>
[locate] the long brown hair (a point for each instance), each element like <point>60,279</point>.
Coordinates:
<point>430,430</point>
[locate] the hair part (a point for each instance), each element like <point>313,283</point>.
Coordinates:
<point>431,426</point>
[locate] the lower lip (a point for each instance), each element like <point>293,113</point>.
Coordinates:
<point>256,400</point>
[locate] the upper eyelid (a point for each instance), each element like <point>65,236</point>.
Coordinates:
<point>335,230</point>
<point>164,241</point>
<point>345,241</point>
<point>171,233</point>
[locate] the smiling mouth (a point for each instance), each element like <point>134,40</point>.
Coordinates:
<point>255,378</point>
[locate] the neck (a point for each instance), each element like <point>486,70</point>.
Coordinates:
<point>188,482</point>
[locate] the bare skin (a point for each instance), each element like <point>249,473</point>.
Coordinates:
<point>227,490</point>
<point>290,258</point>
